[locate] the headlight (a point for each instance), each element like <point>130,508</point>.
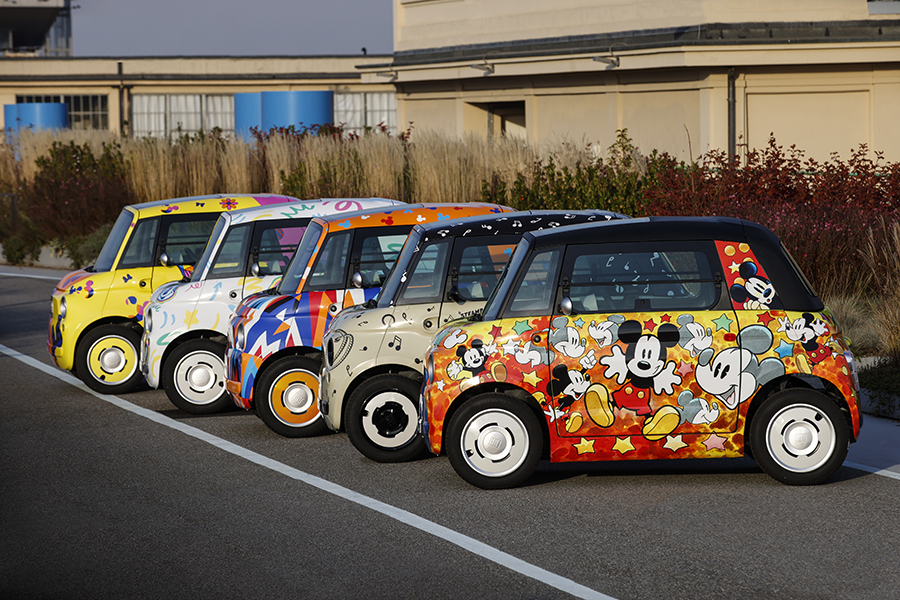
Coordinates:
<point>148,320</point>
<point>62,308</point>
<point>240,338</point>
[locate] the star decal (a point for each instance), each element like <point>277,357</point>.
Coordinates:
<point>674,443</point>
<point>531,379</point>
<point>685,368</point>
<point>734,267</point>
<point>584,446</point>
<point>496,331</point>
<point>715,442</point>
<point>765,319</point>
<point>623,445</point>
<point>439,384</point>
<point>521,327</point>
<point>510,347</point>
<point>667,318</point>
<point>649,325</point>
<point>784,349</point>
<point>190,318</point>
<point>579,323</point>
<point>723,323</point>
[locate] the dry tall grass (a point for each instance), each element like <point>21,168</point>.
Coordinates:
<point>883,259</point>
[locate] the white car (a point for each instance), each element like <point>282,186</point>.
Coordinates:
<point>183,345</point>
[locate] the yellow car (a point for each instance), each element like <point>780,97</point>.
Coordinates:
<point>96,317</point>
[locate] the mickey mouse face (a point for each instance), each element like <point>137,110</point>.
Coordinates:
<point>725,376</point>
<point>473,358</point>
<point>647,357</point>
<point>759,288</point>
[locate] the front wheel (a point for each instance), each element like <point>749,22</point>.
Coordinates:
<point>799,437</point>
<point>194,377</point>
<point>494,441</point>
<point>286,397</point>
<point>382,418</point>
<point>106,359</point>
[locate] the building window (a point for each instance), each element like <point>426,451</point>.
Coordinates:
<point>367,110</point>
<point>85,112</point>
<point>163,115</point>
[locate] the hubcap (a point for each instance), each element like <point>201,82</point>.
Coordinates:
<point>801,438</point>
<point>292,398</point>
<point>389,419</point>
<point>112,360</point>
<point>494,442</point>
<point>200,377</point>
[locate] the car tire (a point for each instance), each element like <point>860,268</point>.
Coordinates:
<point>494,441</point>
<point>799,437</point>
<point>286,397</point>
<point>381,419</point>
<point>193,377</point>
<point>107,359</point>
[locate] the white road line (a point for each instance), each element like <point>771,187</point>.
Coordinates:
<point>4,274</point>
<point>463,541</point>
<point>873,470</point>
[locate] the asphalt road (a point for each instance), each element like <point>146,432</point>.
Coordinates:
<point>127,497</point>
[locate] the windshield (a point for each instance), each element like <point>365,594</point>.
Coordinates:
<point>495,300</point>
<point>114,242</point>
<point>297,267</point>
<point>385,297</point>
<point>197,275</point>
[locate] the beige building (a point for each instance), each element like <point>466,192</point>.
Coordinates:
<point>683,76</point>
<point>160,96</point>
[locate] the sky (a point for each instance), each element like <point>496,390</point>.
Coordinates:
<point>231,27</point>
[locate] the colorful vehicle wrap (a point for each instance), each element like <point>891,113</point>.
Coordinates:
<point>246,253</point>
<point>719,332</point>
<point>342,261</point>
<point>444,273</point>
<point>97,312</point>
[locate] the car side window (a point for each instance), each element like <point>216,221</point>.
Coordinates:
<point>185,239</point>
<point>625,278</point>
<point>535,290</point>
<point>377,255</point>
<point>425,281</point>
<point>141,244</point>
<point>480,267</point>
<point>276,246</point>
<point>329,270</point>
<point>231,261</point>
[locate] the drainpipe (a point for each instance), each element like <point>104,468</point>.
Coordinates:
<point>121,102</point>
<point>732,111</point>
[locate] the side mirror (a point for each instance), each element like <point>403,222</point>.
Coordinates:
<point>357,280</point>
<point>254,269</point>
<point>566,307</point>
<point>453,295</point>
<point>164,259</point>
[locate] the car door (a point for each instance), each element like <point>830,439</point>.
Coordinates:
<point>271,249</point>
<point>473,272</point>
<point>643,342</point>
<point>182,239</point>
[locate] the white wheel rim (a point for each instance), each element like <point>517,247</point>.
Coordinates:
<point>200,377</point>
<point>800,438</point>
<point>494,442</point>
<point>382,417</point>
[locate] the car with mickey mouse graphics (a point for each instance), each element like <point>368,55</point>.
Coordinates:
<point>373,352</point>
<point>274,350</point>
<point>183,345</point>
<point>97,313</point>
<point>652,338</point>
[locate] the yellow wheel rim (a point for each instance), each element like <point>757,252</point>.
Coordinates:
<point>293,398</point>
<point>112,359</point>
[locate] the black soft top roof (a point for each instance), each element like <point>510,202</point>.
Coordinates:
<point>790,284</point>
<point>514,223</point>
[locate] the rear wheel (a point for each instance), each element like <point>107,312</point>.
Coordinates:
<point>382,419</point>
<point>494,441</point>
<point>286,397</point>
<point>799,437</point>
<point>106,359</point>
<point>194,377</point>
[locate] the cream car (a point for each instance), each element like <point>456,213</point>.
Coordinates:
<point>373,353</point>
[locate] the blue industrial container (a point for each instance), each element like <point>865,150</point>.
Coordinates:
<point>247,113</point>
<point>300,109</point>
<point>39,115</point>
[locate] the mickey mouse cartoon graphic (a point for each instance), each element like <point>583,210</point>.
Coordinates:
<point>640,371</point>
<point>571,385</point>
<point>756,293</point>
<point>469,361</point>
<point>806,329</point>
